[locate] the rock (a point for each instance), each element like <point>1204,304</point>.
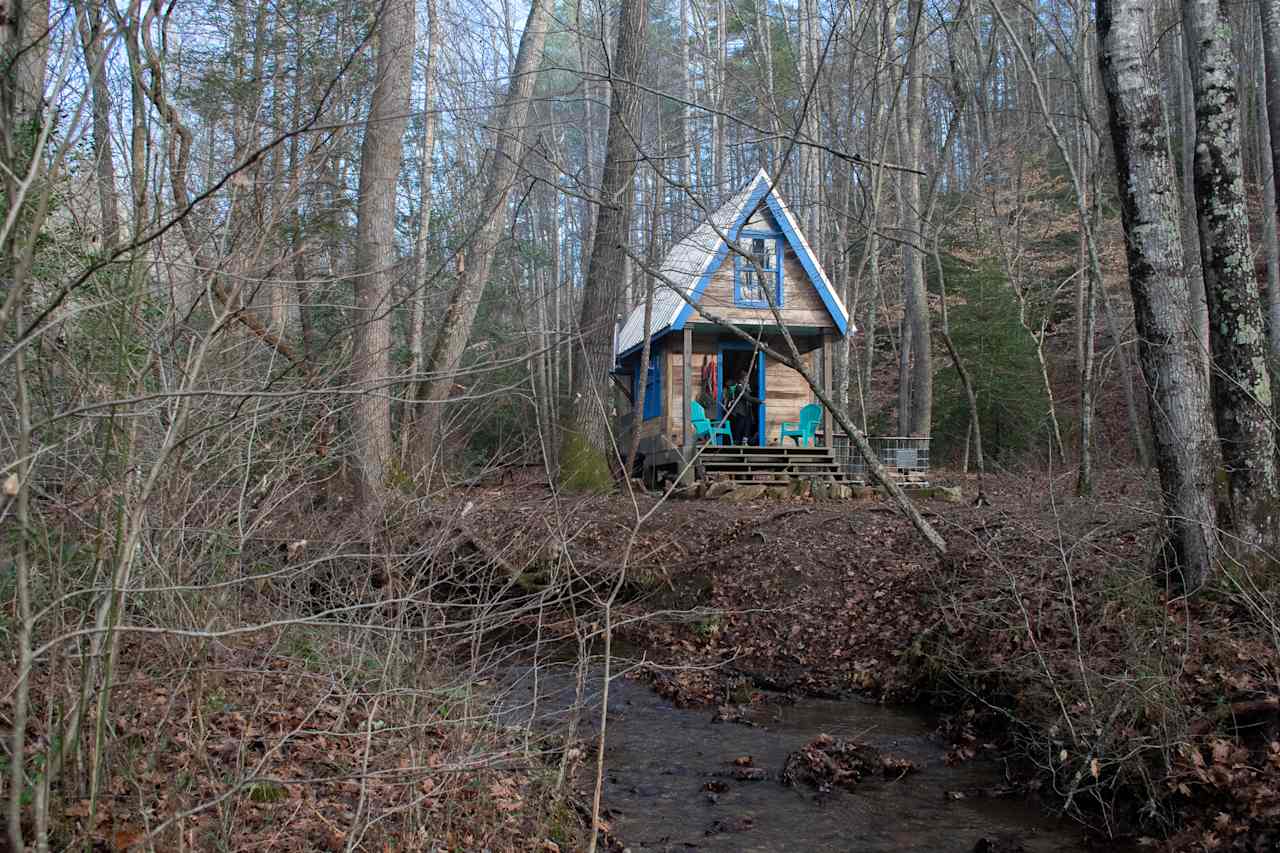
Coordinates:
<point>716,490</point>
<point>999,844</point>
<point>778,493</point>
<point>743,494</point>
<point>827,762</point>
<point>750,774</point>
<point>950,494</point>
<point>862,493</point>
<point>820,489</point>
<point>841,492</point>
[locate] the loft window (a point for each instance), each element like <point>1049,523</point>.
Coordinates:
<point>748,288</point>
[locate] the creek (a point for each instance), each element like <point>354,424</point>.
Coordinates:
<point>659,760</point>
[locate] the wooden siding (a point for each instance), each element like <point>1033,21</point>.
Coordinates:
<point>785,393</point>
<point>703,348</point>
<point>785,389</point>
<point>801,304</point>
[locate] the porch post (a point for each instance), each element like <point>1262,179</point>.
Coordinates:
<point>686,386</point>
<point>828,436</point>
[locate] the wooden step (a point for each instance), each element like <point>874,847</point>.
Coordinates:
<point>748,475</point>
<point>781,463</point>
<point>768,448</point>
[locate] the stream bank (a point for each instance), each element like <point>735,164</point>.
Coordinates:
<point>1039,639</point>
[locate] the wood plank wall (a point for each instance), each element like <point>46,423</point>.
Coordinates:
<point>786,392</point>
<point>801,304</point>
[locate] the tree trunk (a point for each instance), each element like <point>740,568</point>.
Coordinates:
<point>90,26</point>
<point>455,329</point>
<point>686,129</point>
<point>418,282</point>
<point>1271,245</point>
<point>1189,223</point>
<point>1184,441</point>
<point>1240,382</point>
<point>1270,11</point>
<point>24,55</point>
<point>718,120</point>
<point>380,160</point>
<point>768,105</point>
<point>584,458</point>
<point>917,300</point>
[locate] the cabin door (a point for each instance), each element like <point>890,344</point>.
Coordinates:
<point>735,359</point>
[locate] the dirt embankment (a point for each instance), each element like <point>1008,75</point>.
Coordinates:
<point>1040,636</point>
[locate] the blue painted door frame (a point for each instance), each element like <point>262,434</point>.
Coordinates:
<point>760,374</point>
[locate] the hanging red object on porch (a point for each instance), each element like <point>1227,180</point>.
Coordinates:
<point>709,391</point>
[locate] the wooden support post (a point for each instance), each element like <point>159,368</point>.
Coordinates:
<point>686,396</point>
<point>828,435</point>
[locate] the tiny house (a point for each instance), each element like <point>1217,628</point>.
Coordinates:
<point>700,287</point>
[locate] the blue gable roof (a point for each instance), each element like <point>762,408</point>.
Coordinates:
<point>790,229</point>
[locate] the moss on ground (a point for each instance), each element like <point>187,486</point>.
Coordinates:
<point>583,469</point>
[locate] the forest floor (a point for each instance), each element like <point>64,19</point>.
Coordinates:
<point>1040,638</point>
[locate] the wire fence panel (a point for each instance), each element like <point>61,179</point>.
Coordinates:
<point>906,457</point>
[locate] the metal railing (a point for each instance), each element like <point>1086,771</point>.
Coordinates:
<point>906,457</point>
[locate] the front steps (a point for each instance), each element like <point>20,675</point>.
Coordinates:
<point>768,466</point>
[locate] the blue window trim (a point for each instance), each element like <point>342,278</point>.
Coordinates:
<point>760,192</point>
<point>653,389</point>
<point>741,266</point>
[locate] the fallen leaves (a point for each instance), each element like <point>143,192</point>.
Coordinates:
<point>827,762</point>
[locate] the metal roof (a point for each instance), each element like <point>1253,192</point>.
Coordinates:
<point>684,272</point>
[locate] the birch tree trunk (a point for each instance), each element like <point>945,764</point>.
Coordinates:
<point>1271,245</point>
<point>1183,434</point>
<point>380,159</point>
<point>1270,12</point>
<point>586,447</point>
<point>1240,382</point>
<point>455,328</point>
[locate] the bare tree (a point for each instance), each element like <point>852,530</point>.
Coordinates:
<point>915,393</point>
<point>1240,381</point>
<point>92,38</point>
<point>376,257</point>
<point>584,456</point>
<point>1270,13</point>
<point>500,173</point>
<point>1184,441</point>
<point>417,332</point>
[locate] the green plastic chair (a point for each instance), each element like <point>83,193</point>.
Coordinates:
<point>703,427</point>
<point>802,430</point>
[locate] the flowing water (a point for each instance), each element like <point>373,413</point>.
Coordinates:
<point>659,758</point>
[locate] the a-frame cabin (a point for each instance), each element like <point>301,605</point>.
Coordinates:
<point>693,357</point>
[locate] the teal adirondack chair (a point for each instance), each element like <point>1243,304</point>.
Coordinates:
<point>802,430</point>
<point>703,427</point>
